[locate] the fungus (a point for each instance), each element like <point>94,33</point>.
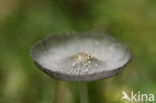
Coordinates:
<point>80,56</point>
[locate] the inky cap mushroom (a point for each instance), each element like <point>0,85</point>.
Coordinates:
<point>84,56</point>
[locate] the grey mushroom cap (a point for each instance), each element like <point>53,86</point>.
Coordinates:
<point>80,56</point>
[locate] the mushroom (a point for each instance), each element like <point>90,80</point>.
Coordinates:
<point>80,56</point>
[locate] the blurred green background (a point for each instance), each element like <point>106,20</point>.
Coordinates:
<point>23,22</point>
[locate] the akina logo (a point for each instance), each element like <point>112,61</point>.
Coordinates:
<point>137,96</point>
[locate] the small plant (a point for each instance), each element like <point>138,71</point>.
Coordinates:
<point>82,57</point>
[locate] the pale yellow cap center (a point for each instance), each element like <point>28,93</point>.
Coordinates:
<point>82,57</point>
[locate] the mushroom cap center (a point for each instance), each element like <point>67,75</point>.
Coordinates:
<point>82,57</point>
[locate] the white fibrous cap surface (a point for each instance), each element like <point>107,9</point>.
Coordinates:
<point>79,55</point>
